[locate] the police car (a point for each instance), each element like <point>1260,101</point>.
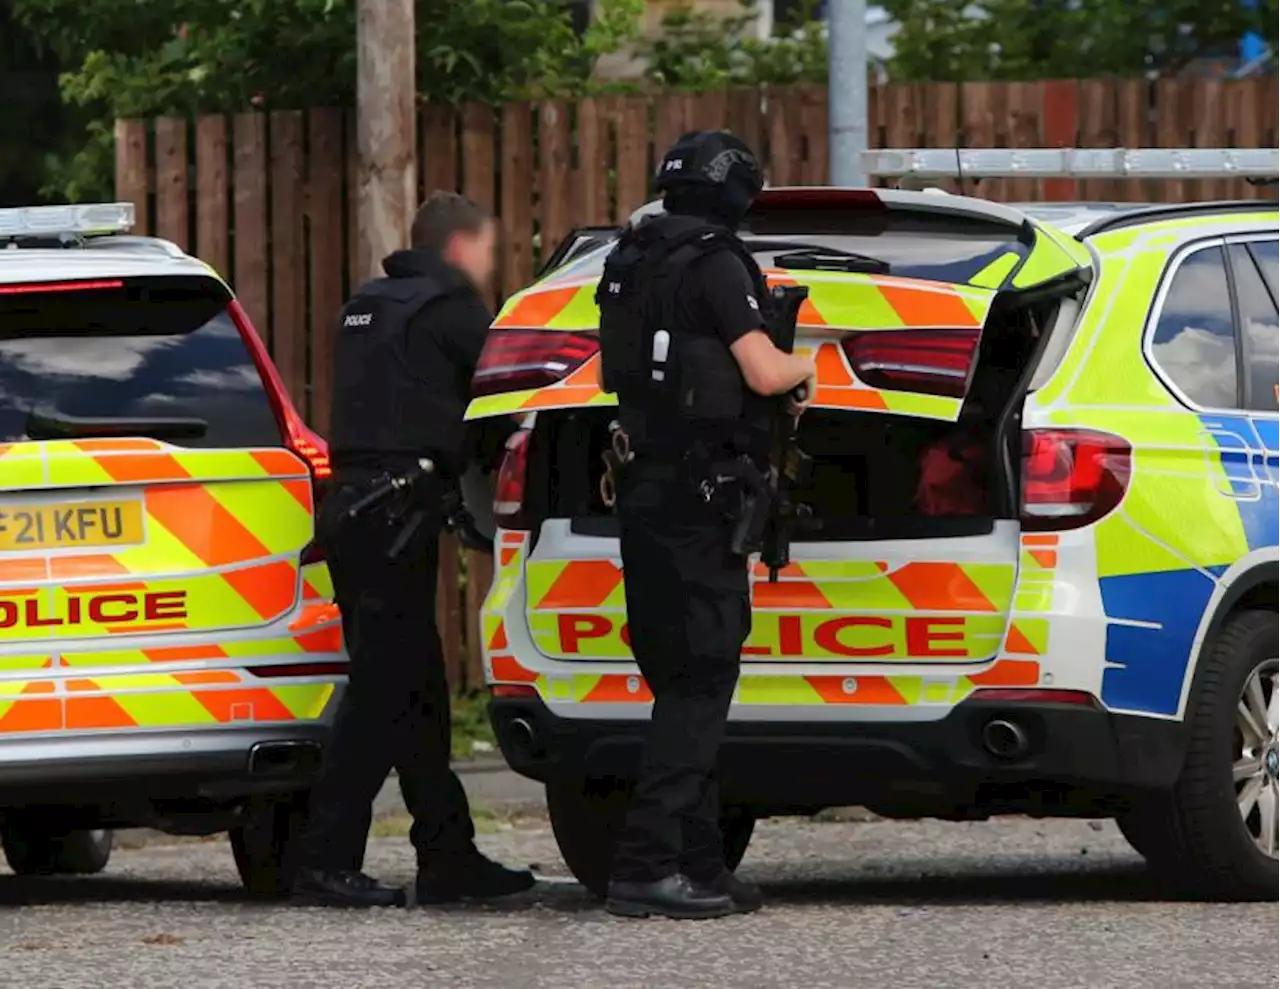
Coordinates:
<point>170,655</point>
<point>1043,577</point>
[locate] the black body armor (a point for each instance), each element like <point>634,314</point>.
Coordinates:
<point>380,407</point>
<point>674,385</point>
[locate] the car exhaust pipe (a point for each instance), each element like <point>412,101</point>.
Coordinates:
<point>1005,739</point>
<point>286,758</point>
<point>522,736</point>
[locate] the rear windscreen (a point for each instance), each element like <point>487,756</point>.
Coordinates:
<point>158,349</point>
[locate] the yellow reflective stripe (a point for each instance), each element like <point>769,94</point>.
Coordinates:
<point>994,274</point>
<point>776,690</point>
<point>1046,261</point>
<point>922,406</point>
<point>305,701</point>
<point>318,576</point>
<point>581,312</point>
<point>117,657</point>
<point>855,304</point>
<point>21,466</point>
<point>249,648</point>
<point>164,710</point>
<point>267,510</point>
<point>75,468</point>
<point>24,662</point>
<point>163,551</point>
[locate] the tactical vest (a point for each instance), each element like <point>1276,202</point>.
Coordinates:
<point>379,405</point>
<point>674,385</point>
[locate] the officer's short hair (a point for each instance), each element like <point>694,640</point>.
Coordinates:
<point>441,216</point>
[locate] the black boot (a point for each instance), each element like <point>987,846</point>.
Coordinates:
<point>746,896</point>
<point>468,876</point>
<point>343,888</point>
<point>677,897</point>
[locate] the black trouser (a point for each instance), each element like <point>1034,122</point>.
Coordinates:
<point>688,613</point>
<point>396,708</point>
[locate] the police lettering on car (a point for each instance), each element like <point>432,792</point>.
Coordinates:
<point>406,349</point>
<point>685,346</point>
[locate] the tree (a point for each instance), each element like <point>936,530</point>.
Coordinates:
<point>149,57</point>
<point>966,40</point>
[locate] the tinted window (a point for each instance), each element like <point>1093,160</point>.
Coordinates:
<point>154,348</point>
<point>1261,333</point>
<point>1194,342</point>
<point>1267,254</point>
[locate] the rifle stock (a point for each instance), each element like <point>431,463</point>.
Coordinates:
<point>791,465</point>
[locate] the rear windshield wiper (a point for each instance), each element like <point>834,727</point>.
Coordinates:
<point>56,426</point>
<point>831,259</point>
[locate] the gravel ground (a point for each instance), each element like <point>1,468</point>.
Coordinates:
<point>1014,903</point>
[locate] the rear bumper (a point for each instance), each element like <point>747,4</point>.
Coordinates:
<point>128,769</point>
<point>809,765</point>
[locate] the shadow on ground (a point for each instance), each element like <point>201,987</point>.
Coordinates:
<point>914,883</point>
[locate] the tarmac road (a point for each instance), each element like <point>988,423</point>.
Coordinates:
<point>1014,903</point>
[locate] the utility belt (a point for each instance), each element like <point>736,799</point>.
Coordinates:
<point>407,498</point>
<point>730,482</point>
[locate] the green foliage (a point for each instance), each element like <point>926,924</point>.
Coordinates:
<point>470,713</point>
<point>150,57</point>
<point>969,40</point>
<point>697,50</point>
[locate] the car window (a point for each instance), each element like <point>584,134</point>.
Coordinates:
<point>1194,341</point>
<point>1267,254</point>
<point>137,348</point>
<point>1260,331</point>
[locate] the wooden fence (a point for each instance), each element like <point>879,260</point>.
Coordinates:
<point>266,198</point>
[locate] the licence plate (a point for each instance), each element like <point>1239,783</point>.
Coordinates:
<point>70,525</point>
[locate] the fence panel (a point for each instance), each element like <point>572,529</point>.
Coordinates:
<point>212,217</point>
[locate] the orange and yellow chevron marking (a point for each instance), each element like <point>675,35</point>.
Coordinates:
<point>1036,578</point>
<point>754,689</point>
<point>509,550</point>
<point>853,301</point>
<point>120,707</point>
<point>317,582</point>
<point>818,585</point>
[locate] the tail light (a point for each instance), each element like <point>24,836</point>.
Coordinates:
<point>1071,477</point>
<point>509,489</point>
<point>932,362</point>
<point>516,360</point>
<point>302,441</point>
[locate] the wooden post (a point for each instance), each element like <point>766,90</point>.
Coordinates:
<point>385,134</point>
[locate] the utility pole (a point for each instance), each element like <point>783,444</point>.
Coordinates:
<point>847,99</point>
<point>386,141</point>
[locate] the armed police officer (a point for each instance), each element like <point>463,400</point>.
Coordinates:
<point>406,348</point>
<point>684,344</point>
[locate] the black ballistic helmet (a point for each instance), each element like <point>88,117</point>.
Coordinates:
<point>709,171</point>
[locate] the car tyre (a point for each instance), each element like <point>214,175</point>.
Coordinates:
<point>1215,833</point>
<point>264,844</point>
<point>30,851</point>
<point>586,817</point>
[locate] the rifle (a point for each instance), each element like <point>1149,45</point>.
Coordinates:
<point>790,467</point>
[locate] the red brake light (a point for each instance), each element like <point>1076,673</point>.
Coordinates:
<point>509,489</point>
<point>932,362</point>
<point>515,360</point>
<point>59,287</point>
<point>512,690</point>
<point>301,440</point>
<point>1071,477</point>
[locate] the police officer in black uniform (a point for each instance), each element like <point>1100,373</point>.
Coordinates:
<point>684,345</point>
<point>406,348</point>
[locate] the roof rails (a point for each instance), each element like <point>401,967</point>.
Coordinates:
<point>1081,163</point>
<point>66,222</point>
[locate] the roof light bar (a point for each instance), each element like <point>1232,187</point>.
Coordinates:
<point>1083,163</point>
<point>50,221</point>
